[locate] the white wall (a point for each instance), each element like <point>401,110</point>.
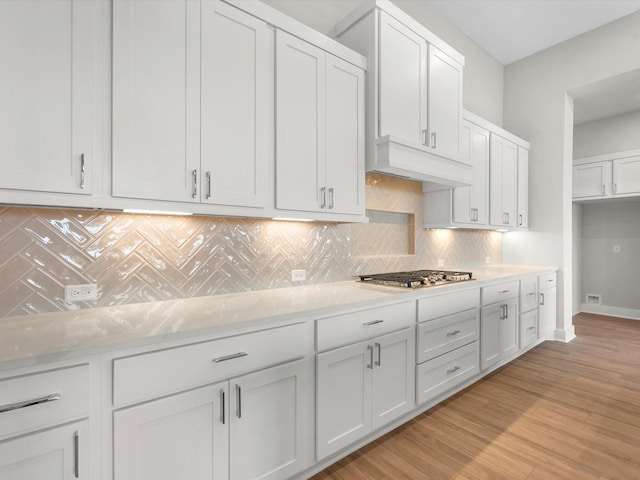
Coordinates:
<point>483,75</point>
<point>538,108</point>
<point>577,259</point>
<point>613,134</point>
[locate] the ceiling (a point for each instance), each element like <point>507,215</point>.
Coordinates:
<point>510,30</point>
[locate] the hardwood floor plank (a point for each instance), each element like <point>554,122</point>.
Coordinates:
<point>560,411</point>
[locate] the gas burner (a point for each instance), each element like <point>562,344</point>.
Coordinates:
<point>417,278</point>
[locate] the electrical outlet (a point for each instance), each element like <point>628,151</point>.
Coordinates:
<point>487,259</point>
<point>441,262</point>
<point>298,275</point>
<point>80,293</point>
<point>616,249</point>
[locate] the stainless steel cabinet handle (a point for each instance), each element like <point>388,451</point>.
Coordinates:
<point>615,188</point>
<point>238,401</point>
<point>507,218</point>
<point>222,406</point>
<point>323,197</point>
<point>331,198</point>
<point>520,220</point>
<point>433,140</point>
<point>379,347</point>
<point>76,453</point>
<point>373,322</point>
<point>502,292</point>
<point>229,357</point>
<point>82,171</point>
<point>194,191</point>
<point>550,280</point>
<point>542,299</point>
<point>604,189</point>
<point>531,328</point>
<point>424,137</point>
<point>208,185</point>
<point>451,334</point>
<point>506,312</point>
<point>370,350</point>
<point>28,403</point>
<point>453,370</point>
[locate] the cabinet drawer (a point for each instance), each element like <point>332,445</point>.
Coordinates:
<point>151,375</point>
<point>528,294</point>
<point>43,399</point>
<point>547,281</point>
<point>500,292</point>
<point>442,305</point>
<point>528,328</point>
<point>352,327</point>
<point>437,337</point>
<point>445,372</point>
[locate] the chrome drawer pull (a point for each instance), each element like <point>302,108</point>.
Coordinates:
<point>222,407</point>
<point>370,350</point>
<point>194,189</point>
<point>82,171</point>
<point>379,361</point>
<point>531,328</point>
<point>76,452</point>
<point>238,401</point>
<point>453,370</point>
<point>28,403</point>
<point>503,292</point>
<point>374,322</point>
<point>229,357</point>
<point>451,334</point>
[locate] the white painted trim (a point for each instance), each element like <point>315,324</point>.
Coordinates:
<point>493,128</point>
<point>564,335</point>
<point>630,313</point>
<point>606,156</point>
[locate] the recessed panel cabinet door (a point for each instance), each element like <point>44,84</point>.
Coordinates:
<point>523,188</point>
<point>58,454</point>
<point>403,83</point>
<point>235,142</point>
<point>300,124</point>
<point>48,95</point>
<point>156,99</point>
<point>503,182</point>
<point>181,436</point>
<point>626,176</point>
<point>345,137</point>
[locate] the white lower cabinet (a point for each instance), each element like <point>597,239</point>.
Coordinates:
<point>528,312</point>
<point>362,387</point>
<point>499,323</point>
<point>547,305</point>
<point>248,427</point>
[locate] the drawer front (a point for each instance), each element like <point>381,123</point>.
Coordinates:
<point>500,292</point>
<point>437,337</point>
<point>151,375</point>
<point>353,327</point>
<point>443,305</point>
<point>43,399</point>
<point>443,373</point>
<point>547,281</point>
<point>528,294</point>
<point>528,328</point>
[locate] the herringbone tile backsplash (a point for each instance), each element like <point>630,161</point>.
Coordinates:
<point>142,258</point>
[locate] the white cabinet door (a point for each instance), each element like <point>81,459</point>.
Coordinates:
<point>48,95</point>
<point>156,99</point>
<point>181,436</point>
<point>344,137</point>
<point>343,379</point>
<point>509,340</point>
<point>490,320</point>
<point>234,115</point>
<point>393,386</point>
<point>523,188</point>
<point>61,453</point>
<point>547,313</point>
<point>445,103</point>
<point>269,435</point>
<point>528,328</point>
<point>300,121</point>
<point>503,182</point>
<point>470,203</point>
<point>403,85</point>
<point>592,180</point>
<point>626,176</point>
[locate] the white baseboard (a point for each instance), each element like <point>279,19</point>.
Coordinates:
<point>630,313</point>
<point>565,335</point>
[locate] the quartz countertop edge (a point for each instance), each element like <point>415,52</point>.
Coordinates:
<point>35,339</point>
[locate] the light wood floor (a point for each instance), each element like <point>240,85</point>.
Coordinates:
<point>560,411</point>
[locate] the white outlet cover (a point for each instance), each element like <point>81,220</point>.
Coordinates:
<point>440,262</point>
<point>616,249</point>
<point>80,293</point>
<point>298,275</point>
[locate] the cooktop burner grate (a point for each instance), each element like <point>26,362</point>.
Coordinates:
<point>417,278</point>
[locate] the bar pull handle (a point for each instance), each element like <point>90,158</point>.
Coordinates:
<point>453,370</point>
<point>433,140</point>
<point>222,406</point>
<point>531,328</point>
<point>194,190</point>
<point>542,299</point>
<point>373,322</point>
<point>76,454</point>
<point>424,137</point>
<point>28,403</point>
<point>229,357</point>
<point>238,401</point>
<point>208,174</point>
<point>451,334</point>
<point>615,188</point>
<point>82,171</point>
<point>604,189</point>
<point>379,348</point>
<point>370,350</point>
<point>323,197</point>
<point>520,220</point>
<point>502,292</point>
<point>331,198</point>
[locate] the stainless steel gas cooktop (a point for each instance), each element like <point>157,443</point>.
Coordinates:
<point>417,278</point>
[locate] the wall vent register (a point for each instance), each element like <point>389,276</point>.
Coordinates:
<point>417,278</point>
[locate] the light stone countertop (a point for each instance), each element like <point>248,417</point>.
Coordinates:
<point>34,339</point>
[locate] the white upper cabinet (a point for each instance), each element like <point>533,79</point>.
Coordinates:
<point>523,188</point>
<point>626,176</point>
<point>190,103</point>
<point>49,95</point>
<point>503,180</point>
<point>414,95</point>
<point>591,180</point>
<point>319,130</point>
<point>607,176</point>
